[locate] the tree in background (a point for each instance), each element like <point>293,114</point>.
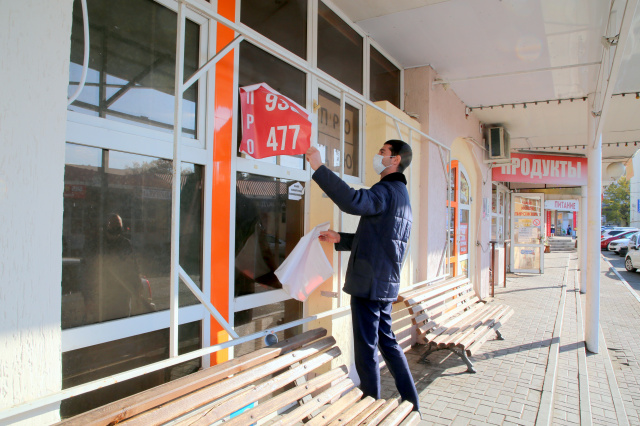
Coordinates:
<point>615,202</point>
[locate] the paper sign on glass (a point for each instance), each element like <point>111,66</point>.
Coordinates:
<point>272,124</point>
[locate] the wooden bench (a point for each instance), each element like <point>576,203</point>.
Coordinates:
<point>271,385</point>
<point>449,315</point>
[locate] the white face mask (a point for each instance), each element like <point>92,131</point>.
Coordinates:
<point>377,163</point>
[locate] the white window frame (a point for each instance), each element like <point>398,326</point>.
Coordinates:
<point>462,172</point>
<point>104,133</point>
<point>344,100</point>
<point>373,43</point>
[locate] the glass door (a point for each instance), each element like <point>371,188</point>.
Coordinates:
<point>459,214</point>
<point>453,218</point>
<point>527,224</point>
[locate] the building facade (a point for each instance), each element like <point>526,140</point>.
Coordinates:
<point>87,190</point>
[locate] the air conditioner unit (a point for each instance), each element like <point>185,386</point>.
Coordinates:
<point>498,145</point>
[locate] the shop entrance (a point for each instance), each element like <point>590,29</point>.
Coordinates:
<point>458,224</point>
<point>527,225</point>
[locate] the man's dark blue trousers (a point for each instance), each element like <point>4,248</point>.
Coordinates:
<point>372,330</point>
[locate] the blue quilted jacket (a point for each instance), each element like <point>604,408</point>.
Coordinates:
<point>378,246</point>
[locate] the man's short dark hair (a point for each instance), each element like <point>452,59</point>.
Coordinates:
<point>403,149</point>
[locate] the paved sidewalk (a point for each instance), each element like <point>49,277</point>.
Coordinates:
<point>531,377</point>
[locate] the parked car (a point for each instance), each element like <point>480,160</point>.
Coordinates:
<point>616,231</point>
<point>621,246</point>
<point>604,243</point>
<point>632,259</point>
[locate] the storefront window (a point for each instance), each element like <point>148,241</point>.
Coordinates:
<point>117,234</point>
<point>329,135</point>
<point>269,224</point>
<point>131,74</point>
<point>284,22</point>
<point>96,362</point>
<point>340,49</point>
<point>384,79</point>
<point>258,66</point>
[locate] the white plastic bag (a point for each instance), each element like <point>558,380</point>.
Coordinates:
<point>306,267</point>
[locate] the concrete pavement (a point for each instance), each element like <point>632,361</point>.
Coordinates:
<point>541,373</point>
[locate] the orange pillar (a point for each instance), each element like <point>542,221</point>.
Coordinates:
<point>221,186</point>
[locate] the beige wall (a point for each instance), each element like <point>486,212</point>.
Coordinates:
<point>442,115</point>
<point>35,42</point>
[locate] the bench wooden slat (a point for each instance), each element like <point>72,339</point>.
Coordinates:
<point>140,402</point>
<point>471,349</point>
<point>487,314</point>
<point>382,412</point>
<point>357,420</point>
<point>487,324</point>
<point>435,297</point>
<point>336,408</point>
<point>473,320</point>
<point>314,404</point>
<point>452,316</point>
<point>412,419</point>
<point>418,293</point>
<point>453,321</point>
<point>426,313</point>
<point>204,395</point>
<point>408,294</point>
<point>352,412</point>
<point>266,388</point>
<point>434,311</point>
<point>398,415</point>
<point>424,329</point>
<point>282,400</point>
<point>433,291</point>
<point>480,315</point>
<point>452,312</point>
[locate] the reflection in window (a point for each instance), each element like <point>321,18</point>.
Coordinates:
<point>494,229</point>
<point>329,134</point>
<point>258,66</point>
<point>117,234</point>
<point>494,199</point>
<point>96,362</point>
<point>132,62</point>
<point>284,22</point>
<point>269,224</point>
<point>265,317</point>
<point>464,267</point>
<point>385,79</point>
<point>340,49</point>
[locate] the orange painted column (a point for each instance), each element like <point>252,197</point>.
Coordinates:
<point>221,186</point>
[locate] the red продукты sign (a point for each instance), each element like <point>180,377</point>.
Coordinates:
<point>272,124</point>
<point>533,168</point>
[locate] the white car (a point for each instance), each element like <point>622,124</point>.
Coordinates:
<point>607,233</point>
<point>622,245</point>
<point>632,259</point>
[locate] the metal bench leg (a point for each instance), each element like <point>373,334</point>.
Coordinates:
<point>462,354</point>
<point>423,358</point>
<point>499,335</point>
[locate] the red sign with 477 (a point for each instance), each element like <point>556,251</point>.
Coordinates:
<point>272,124</point>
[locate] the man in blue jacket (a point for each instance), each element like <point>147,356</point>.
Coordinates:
<point>377,250</point>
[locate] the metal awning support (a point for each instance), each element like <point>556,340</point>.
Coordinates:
<point>608,75</point>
